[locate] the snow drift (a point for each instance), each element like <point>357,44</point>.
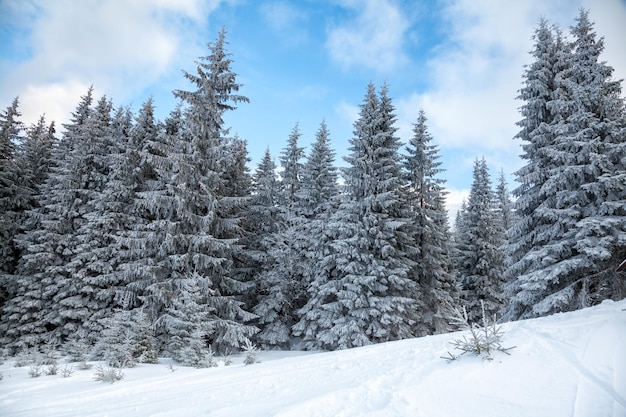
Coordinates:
<point>571,364</point>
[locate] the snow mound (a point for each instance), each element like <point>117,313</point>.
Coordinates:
<point>571,364</point>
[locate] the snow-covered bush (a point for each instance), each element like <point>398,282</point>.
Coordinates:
<point>52,369</point>
<point>482,339</point>
<point>48,358</point>
<point>108,374</point>
<point>35,370</point>
<point>195,352</point>
<point>67,372</point>
<point>27,357</point>
<point>251,351</point>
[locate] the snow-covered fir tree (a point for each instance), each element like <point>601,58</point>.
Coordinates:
<point>504,203</point>
<point>11,192</point>
<point>279,285</point>
<point>319,187</point>
<point>234,205</point>
<point>142,169</point>
<point>434,271</point>
<point>35,162</point>
<point>108,217</point>
<point>570,260</point>
<point>540,92</point>
<point>481,262</point>
<point>318,199</point>
<point>14,193</point>
<point>265,223</point>
<point>363,291</point>
<point>33,315</point>
<point>201,245</point>
<point>87,239</point>
<point>291,164</point>
<point>263,214</point>
<point>146,247</point>
<point>126,340</point>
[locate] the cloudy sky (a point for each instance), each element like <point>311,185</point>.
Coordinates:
<point>301,62</point>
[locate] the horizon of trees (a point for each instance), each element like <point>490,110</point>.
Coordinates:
<point>129,219</point>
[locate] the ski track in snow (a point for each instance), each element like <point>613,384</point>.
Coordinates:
<point>566,365</point>
<point>593,386</point>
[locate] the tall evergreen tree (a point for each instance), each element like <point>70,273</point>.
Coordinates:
<point>35,157</point>
<point>280,282</point>
<point>434,270</point>
<point>14,196</point>
<point>265,198</point>
<point>319,177</point>
<point>571,262</point>
<point>318,200</point>
<point>200,255</point>
<point>33,315</point>
<point>481,263</point>
<point>290,161</point>
<point>504,203</point>
<point>541,93</point>
<point>85,175</point>
<point>99,256</point>
<point>148,246</point>
<point>139,183</point>
<point>363,291</point>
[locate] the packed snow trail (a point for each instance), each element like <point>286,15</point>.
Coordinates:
<point>571,364</point>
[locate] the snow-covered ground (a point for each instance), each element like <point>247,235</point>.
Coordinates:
<point>570,365</point>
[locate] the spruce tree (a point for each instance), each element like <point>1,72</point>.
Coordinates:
<point>202,248</point>
<point>504,203</point>
<point>14,194</point>
<point>541,93</point>
<point>83,179</point>
<point>33,315</point>
<point>141,178</point>
<point>99,256</point>
<point>434,270</point>
<point>318,190</point>
<point>148,246</point>
<point>263,214</point>
<point>290,161</point>
<point>318,200</point>
<point>363,291</point>
<point>279,284</point>
<point>570,262</point>
<point>481,260</point>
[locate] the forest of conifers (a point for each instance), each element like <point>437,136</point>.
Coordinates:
<point>143,237</point>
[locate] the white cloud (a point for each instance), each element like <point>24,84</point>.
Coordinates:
<point>195,9</point>
<point>287,20</point>
<point>347,112</point>
<point>281,15</point>
<point>57,100</point>
<point>476,74</point>
<point>454,200</point>
<point>374,39</point>
<point>119,46</point>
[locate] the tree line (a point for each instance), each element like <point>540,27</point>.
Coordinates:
<point>128,227</point>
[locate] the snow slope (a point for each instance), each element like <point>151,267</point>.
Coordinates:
<point>571,364</point>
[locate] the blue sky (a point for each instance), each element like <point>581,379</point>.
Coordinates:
<point>301,62</point>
